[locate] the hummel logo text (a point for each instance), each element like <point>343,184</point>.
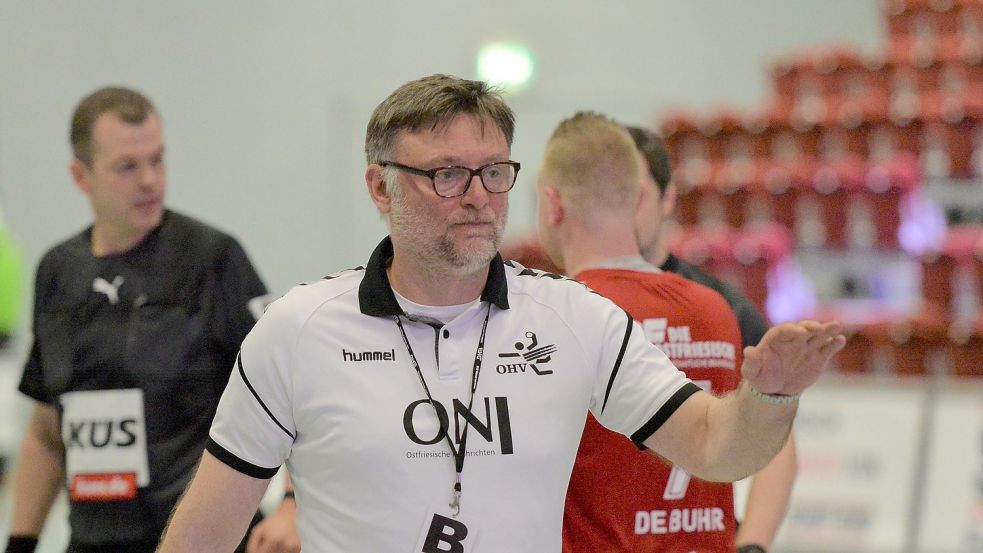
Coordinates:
<point>368,355</point>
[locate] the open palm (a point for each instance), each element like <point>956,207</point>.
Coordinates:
<point>791,356</point>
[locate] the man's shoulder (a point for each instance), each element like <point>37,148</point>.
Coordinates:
<point>752,323</point>
<point>179,227</point>
<point>524,280</point>
<point>662,290</point>
<point>69,249</point>
<point>695,274</point>
<point>692,272</point>
<point>570,299</point>
<point>76,242</point>
<point>695,301</point>
<point>335,291</point>
<point>691,287</point>
<point>194,245</point>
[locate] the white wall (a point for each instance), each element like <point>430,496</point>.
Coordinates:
<point>265,103</point>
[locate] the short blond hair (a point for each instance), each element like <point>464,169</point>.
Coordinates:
<point>592,161</point>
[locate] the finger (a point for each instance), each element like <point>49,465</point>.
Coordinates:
<point>832,328</point>
<point>802,328</point>
<point>817,328</point>
<point>834,345</point>
<point>820,356</point>
<point>752,362</point>
<point>832,337</point>
<point>817,341</point>
<point>256,543</point>
<point>824,333</point>
<point>794,337</point>
<point>811,326</point>
<point>782,334</point>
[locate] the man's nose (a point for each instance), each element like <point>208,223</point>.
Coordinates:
<point>476,194</point>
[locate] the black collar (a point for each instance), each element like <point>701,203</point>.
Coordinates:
<point>375,294</point>
<point>671,264</point>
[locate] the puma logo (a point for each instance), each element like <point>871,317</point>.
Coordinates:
<point>111,290</point>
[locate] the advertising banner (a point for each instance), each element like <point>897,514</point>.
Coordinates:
<point>858,456</point>
<point>952,510</point>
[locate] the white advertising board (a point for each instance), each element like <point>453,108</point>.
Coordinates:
<point>952,510</point>
<point>857,449</point>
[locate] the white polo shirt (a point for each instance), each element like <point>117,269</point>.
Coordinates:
<point>325,383</point>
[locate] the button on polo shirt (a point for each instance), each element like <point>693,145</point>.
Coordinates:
<point>425,325</point>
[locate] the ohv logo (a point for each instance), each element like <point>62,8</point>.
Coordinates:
<point>528,353</point>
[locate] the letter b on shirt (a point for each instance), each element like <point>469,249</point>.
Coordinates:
<point>446,535</point>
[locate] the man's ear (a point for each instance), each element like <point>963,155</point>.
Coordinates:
<point>376,182</point>
<point>643,192</point>
<point>555,212</point>
<point>669,198</point>
<point>80,174</point>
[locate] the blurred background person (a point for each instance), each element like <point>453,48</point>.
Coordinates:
<point>137,324</point>
<point>589,190</point>
<point>770,490</point>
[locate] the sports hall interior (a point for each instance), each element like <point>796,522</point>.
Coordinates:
<point>828,156</point>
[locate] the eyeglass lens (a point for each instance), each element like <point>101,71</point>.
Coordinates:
<point>452,181</point>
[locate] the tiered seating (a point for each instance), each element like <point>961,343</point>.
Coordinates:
<point>837,157</point>
<point>949,324</point>
<point>965,348</point>
<point>829,200</point>
<point>743,258</point>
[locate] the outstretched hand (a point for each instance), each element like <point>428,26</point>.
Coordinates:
<point>791,356</point>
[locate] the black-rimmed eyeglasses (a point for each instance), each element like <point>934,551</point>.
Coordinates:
<point>452,181</point>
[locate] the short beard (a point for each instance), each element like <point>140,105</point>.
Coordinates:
<point>441,250</point>
<point>470,259</point>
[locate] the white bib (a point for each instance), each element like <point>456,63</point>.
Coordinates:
<point>105,437</point>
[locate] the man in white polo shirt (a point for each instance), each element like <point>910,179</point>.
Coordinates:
<point>434,400</point>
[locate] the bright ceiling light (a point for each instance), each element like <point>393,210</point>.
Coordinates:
<point>509,66</point>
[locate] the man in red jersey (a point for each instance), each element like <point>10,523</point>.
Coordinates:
<point>620,498</point>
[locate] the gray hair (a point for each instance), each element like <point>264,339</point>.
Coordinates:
<point>433,101</point>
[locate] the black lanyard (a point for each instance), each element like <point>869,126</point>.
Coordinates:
<point>458,453</point>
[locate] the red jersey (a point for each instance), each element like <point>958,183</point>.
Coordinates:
<point>623,499</point>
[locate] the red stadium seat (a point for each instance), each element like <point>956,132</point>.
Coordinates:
<point>913,343</point>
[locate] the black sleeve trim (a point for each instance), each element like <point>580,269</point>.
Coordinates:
<point>238,464</point>
<point>22,544</point>
<point>242,374</point>
<point>617,364</point>
<point>663,414</point>
<point>34,391</point>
